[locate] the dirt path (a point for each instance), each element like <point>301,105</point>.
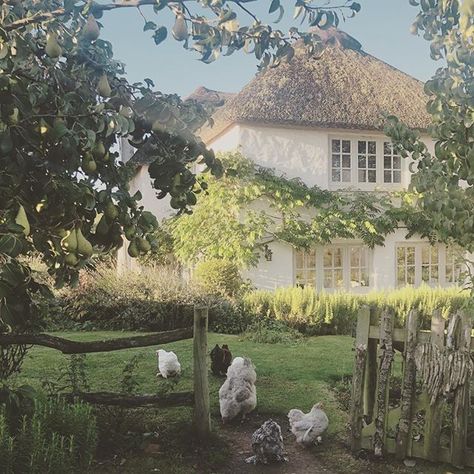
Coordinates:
<point>300,460</point>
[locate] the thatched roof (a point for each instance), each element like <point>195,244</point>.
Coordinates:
<point>210,98</point>
<point>342,88</point>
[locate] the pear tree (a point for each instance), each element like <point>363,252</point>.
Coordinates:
<point>64,104</point>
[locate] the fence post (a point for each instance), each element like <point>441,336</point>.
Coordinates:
<point>408,386</point>
<point>386,359</point>
<point>202,417</point>
<point>432,431</point>
<point>362,336</point>
<point>461,402</point>
<point>371,369</point>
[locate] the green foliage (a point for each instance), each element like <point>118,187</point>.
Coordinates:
<point>271,332</point>
<point>444,179</point>
<point>218,277</point>
<point>251,206</point>
<point>56,438</point>
<point>336,313</point>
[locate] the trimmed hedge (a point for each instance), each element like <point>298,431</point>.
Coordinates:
<point>159,300</point>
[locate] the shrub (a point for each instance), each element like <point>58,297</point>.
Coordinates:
<point>218,277</point>
<point>271,332</point>
<point>56,438</point>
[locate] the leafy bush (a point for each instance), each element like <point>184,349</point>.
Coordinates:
<point>271,332</point>
<point>218,277</point>
<point>56,438</point>
<point>336,313</point>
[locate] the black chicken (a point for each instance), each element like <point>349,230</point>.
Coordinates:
<point>221,358</point>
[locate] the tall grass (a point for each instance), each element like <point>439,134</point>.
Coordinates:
<point>336,313</point>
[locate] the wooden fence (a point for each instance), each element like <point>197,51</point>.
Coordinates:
<point>437,369</point>
<point>199,397</point>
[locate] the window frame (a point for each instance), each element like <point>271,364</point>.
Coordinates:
<point>354,138</point>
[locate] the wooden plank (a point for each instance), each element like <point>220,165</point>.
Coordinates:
<point>432,429</point>
<point>461,402</point>
<point>67,346</point>
<point>371,369</point>
<point>386,359</point>
<point>356,415</point>
<point>202,416</point>
<point>408,387</point>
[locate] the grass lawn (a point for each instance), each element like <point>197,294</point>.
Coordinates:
<point>288,376</point>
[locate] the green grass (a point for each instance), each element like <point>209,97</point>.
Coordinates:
<point>288,375</point>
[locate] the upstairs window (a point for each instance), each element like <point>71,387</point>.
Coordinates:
<point>392,165</point>
<point>340,161</point>
<point>367,161</point>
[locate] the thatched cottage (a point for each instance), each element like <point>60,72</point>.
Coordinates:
<point>320,119</point>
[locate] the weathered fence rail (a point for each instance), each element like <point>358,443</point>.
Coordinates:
<point>198,398</point>
<point>439,361</point>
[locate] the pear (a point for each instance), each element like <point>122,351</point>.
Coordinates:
<point>71,260</point>
<point>88,163</point>
<point>103,87</point>
<point>13,117</point>
<point>102,227</point>
<point>91,30</point>
<point>111,211</point>
<point>69,242</point>
<point>143,244</point>
<point>180,30</point>
<point>22,219</point>
<point>53,50</point>
<point>98,151</point>
<point>133,250</point>
<point>84,247</point>
<point>129,231</point>
<point>126,112</point>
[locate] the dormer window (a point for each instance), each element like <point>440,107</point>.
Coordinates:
<point>341,161</point>
<point>392,165</point>
<point>367,161</point>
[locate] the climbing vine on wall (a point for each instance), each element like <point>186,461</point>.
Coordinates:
<point>252,205</point>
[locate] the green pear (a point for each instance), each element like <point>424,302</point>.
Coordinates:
<point>129,231</point>
<point>88,163</point>
<point>71,260</point>
<point>103,87</point>
<point>133,250</point>
<point>53,50</point>
<point>98,151</point>
<point>180,30</point>
<point>84,247</point>
<point>91,30</point>
<point>111,211</point>
<point>143,244</point>
<point>22,219</point>
<point>69,242</point>
<point>102,227</point>
<point>126,112</point>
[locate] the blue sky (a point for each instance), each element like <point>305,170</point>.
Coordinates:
<point>382,26</point>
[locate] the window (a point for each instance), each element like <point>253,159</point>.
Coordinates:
<point>333,267</point>
<point>366,161</point>
<point>392,165</point>
<point>340,161</point>
<point>359,267</point>
<point>305,266</point>
<point>429,264</point>
<point>454,265</point>
<point>405,266</point>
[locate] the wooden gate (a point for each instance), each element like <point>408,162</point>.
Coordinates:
<point>437,369</point>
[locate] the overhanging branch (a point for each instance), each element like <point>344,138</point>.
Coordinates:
<point>67,346</point>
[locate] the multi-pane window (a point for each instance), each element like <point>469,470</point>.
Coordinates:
<point>340,161</point>
<point>406,265</point>
<point>305,266</point>
<point>359,275</point>
<point>454,265</point>
<point>429,264</point>
<point>333,269</point>
<point>392,165</point>
<point>367,161</point>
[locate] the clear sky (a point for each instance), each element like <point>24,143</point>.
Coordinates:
<point>382,26</point>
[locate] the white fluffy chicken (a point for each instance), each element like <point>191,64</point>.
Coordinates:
<point>308,427</point>
<point>238,394</point>
<point>267,444</point>
<point>168,364</point>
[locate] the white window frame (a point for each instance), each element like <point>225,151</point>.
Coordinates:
<point>346,267</point>
<point>366,155</point>
<point>443,254</point>
<point>392,170</point>
<point>354,138</point>
<point>341,156</point>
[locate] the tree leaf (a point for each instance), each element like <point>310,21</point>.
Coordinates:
<point>274,6</point>
<point>149,25</point>
<point>160,35</point>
